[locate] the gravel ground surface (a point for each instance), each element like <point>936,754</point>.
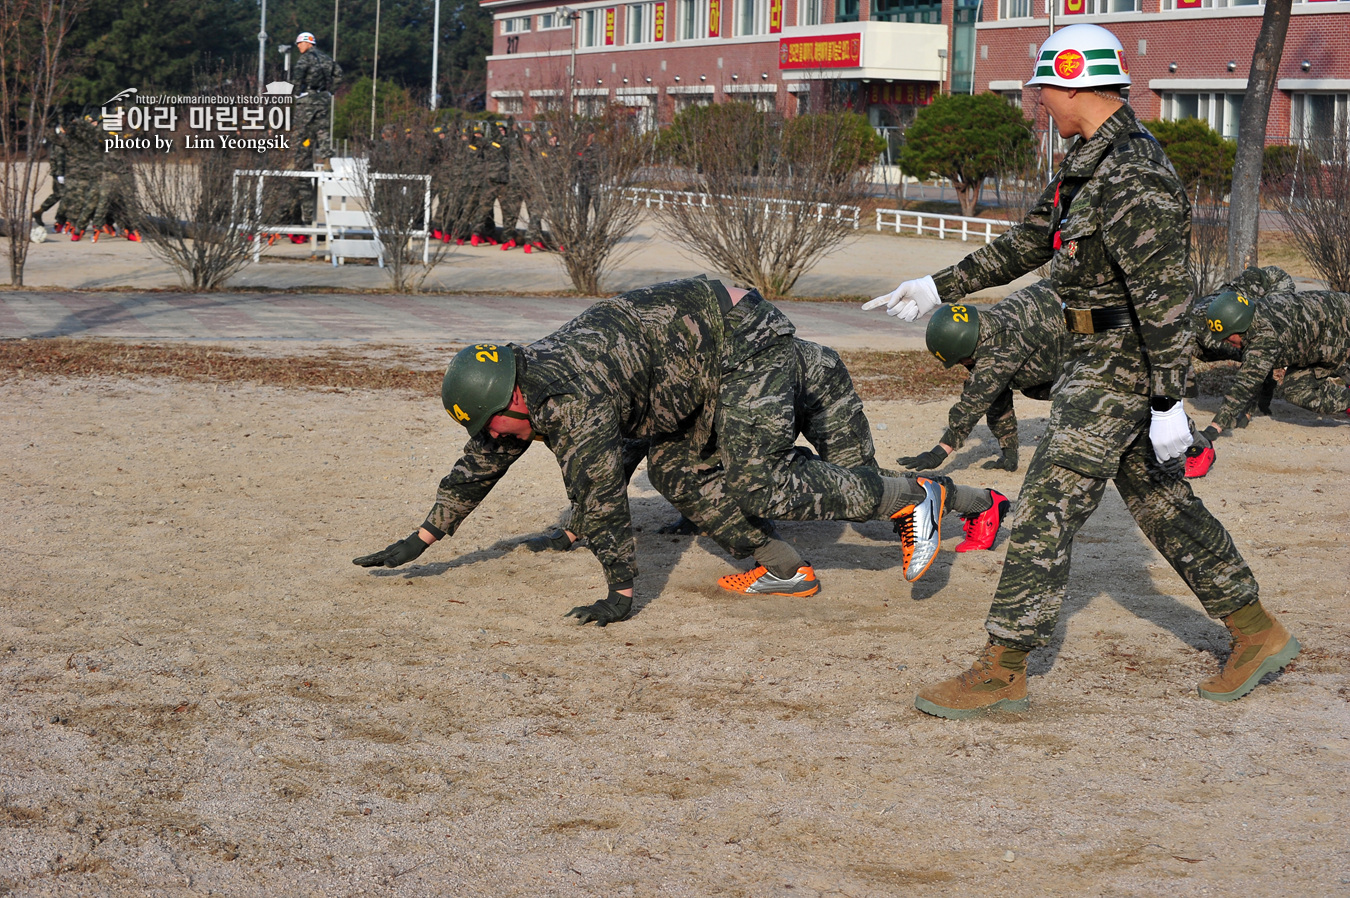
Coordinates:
<point>202,695</point>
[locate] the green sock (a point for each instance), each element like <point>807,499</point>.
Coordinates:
<point>1251,619</point>
<point>779,559</point>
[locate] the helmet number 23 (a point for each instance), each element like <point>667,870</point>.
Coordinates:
<point>486,352</point>
<point>960,313</point>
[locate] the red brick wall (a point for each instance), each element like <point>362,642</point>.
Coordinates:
<point>1323,40</point>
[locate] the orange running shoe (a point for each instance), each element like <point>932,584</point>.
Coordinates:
<point>759,582</point>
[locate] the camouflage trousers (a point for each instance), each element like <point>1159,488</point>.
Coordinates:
<point>1056,502</point>
<point>757,426</point>
<point>1320,390</point>
<point>79,199</point>
<point>511,197</point>
<point>310,127</point>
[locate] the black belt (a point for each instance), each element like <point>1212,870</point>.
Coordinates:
<point>1091,321</point>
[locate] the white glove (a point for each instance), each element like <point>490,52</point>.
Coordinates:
<point>911,300</point>
<point>1170,433</point>
<point>60,179</point>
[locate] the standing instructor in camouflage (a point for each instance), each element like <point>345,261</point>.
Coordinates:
<point>1114,224</point>
<point>314,76</point>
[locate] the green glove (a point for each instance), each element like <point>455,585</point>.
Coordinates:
<point>401,552</point>
<point>611,609</point>
<point>682,527</point>
<point>1007,460</point>
<point>1209,435</point>
<point>933,458</point>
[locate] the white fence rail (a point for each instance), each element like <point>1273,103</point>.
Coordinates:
<point>653,197</point>
<point>942,225</point>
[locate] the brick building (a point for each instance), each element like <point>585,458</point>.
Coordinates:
<point>1188,58</point>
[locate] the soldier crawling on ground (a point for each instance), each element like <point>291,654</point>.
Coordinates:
<point>1270,328</point>
<point>1018,344</point>
<point>724,363</point>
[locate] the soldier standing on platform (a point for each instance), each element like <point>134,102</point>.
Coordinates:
<point>315,75</point>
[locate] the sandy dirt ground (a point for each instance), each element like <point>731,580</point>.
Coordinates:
<point>202,695</point>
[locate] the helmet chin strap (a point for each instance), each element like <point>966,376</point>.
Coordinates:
<point>519,416</point>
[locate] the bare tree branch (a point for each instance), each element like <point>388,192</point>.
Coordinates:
<point>32,33</point>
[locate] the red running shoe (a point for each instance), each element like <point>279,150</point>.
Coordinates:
<point>982,529</point>
<point>1198,465</point>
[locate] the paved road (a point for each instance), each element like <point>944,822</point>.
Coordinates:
<point>335,317</point>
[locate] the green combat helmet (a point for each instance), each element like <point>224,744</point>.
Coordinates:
<point>953,333</point>
<point>478,384</point>
<point>1229,313</point>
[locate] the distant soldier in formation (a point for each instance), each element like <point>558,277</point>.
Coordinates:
<point>85,161</point>
<point>56,162</point>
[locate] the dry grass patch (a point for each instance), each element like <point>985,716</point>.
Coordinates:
<point>877,375</point>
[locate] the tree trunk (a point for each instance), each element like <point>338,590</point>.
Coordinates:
<point>1245,207</point>
<point>968,195</point>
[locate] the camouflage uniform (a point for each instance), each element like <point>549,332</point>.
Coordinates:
<point>1307,334</point>
<point>314,75</point>
<point>826,410</point>
<point>514,190</point>
<point>85,163</point>
<point>1021,346</point>
<point>497,176</point>
<point>1123,245</point>
<point>56,162</point>
<point>643,365</point>
<point>757,429</point>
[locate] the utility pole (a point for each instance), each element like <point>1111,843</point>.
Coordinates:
<point>375,71</point>
<point>435,47</point>
<point>332,101</point>
<point>262,49</point>
<point>566,12</point>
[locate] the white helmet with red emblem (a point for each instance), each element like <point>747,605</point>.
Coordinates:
<point>1081,56</point>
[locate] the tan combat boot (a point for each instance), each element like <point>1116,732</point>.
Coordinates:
<point>1265,647</point>
<point>996,682</point>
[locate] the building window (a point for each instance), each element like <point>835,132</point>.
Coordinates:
<point>685,101</point>
<point>917,11</point>
<point>1014,9</point>
<point>515,25</point>
<point>1102,7</point>
<point>1207,4</point>
<point>846,11</point>
<point>592,32</point>
<point>1319,120</point>
<point>1012,96</point>
<point>592,107</point>
<point>1219,111</point>
<point>752,17</point>
<point>511,105</point>
<point>693,20</point>
<point>640,27</point>
<point>550,20</point>
<point>808,12</point>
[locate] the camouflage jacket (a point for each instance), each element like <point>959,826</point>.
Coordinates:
<point>643,364</point>
<point>314,71</point>
<point>56,156</point>
<point>1125,238</point>
<point>1289,330</point>
<point>1022,341</point>
<point>84,151</point>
